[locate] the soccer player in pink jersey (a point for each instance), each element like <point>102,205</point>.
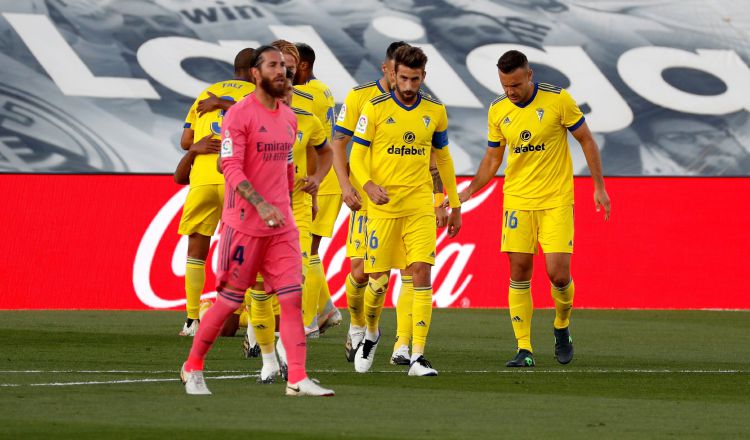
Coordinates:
<point>258,230</point>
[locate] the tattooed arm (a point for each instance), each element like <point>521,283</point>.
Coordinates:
<point>441,214</point>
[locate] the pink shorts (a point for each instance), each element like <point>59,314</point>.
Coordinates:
<point>241,257</point>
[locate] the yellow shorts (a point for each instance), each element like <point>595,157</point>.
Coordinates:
<point>355,240</point>
<point>202,210</point>
<point>395,243</point>
<point>329,206</point>
<point>551,228</point>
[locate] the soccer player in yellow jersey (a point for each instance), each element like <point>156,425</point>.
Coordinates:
<point>393,142</point>
<point>320,314</point>
<point>205,199</point>
<point>353,197</point>
<point>532,120</point>
<point>311,138</point>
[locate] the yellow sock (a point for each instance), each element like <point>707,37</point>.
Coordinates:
<point>310,292</point>
<point>263,322</point>
<point>563,297</point>
<point>195,278</point>
<point>421,317</point>
<point>355,301</point>
<point>245,320</point>
<point>403,312</point>
<point>324,297</point>
<point>521,309</point>
<point>374,299</point>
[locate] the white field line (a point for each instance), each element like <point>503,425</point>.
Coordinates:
<point>224,376</point>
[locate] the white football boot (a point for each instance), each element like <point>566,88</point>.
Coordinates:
<point>354,337</point>
<point>190,330</point>
<point>194,382</point>
<point>365,355</point>
<point>401,356</point>
<point>422,367</point>
<point>307,387</point>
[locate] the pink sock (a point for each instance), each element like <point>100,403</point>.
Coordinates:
<point>293,332</point>
<point>208,331</point>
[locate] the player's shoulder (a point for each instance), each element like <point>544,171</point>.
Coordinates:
<point>430,100</point>
<point>550,88</point>
<point>497,102</point>
<point>303,92</point>
<point>300,112</point>
<point>365,86</point>
<point>380,99</point>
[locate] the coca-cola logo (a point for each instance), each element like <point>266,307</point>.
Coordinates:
<point>161,253</point>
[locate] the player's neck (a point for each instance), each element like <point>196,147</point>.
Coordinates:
<point>304,77</point>
<point>383,84</point>
<point>265,99</point>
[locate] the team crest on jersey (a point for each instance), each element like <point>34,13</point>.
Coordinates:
<point>342,114</point>
<point>372,261</point>
<point>300,135</point>
<point>390,120</point>
<point>540,114</point>
<point>506,121</point>
<point>426,120</point>
<point>357,244</point>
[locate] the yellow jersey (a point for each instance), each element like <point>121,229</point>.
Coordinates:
<point>315,97</point>
<point>539,174</point>
<point>310,133</point>
<point>349,113</point>
<point>399,140</point>
<point>204,170</point>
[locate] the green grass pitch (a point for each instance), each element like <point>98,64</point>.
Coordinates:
<point>636,374</point>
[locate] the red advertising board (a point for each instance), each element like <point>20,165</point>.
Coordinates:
<point>110,242</point>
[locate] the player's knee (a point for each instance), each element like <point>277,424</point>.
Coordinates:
<point>420,273</point>
<point>560,279</point>
<point>358,271</point>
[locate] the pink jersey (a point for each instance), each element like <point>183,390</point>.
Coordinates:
<point>257,146</point>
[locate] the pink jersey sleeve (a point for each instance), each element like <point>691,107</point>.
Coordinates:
<point>233,145</point>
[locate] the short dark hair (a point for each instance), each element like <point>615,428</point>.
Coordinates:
<point>243,59</point>
<point>512,60</point>
<point>257,58</point>
<point>306,53</point>
<point>392,48</point>
<point>409,56</point>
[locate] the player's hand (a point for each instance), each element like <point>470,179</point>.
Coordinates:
<point>352,198</point>
<point>312,184</point>
<point>601,200</point>
<point>206,145</point>
<point>315,206</point>
<point>376,193</point>
<point>209,104</point>
<point>272,217</point>
<point>441,217</point>
<point>464,195</point>
<point>454,222</point>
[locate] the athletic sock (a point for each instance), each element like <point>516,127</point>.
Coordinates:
<point>226,303</point>
<point>563,297</point>
<point>355,301</point>
<point>195,279</point>
<point>421,316</point>
<point>262,319</point>
<point>293,332</point>
<point>374,299</point>
<point>313,284</point>
<point>404,313</point>
<point>521,308</point>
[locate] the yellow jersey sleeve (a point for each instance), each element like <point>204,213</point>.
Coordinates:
<point>191,116</point>
<point>346,121</point>
<point>440,137</point>
<point>570,114</point>
<point>364,132</point>
<point>495,136</point>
